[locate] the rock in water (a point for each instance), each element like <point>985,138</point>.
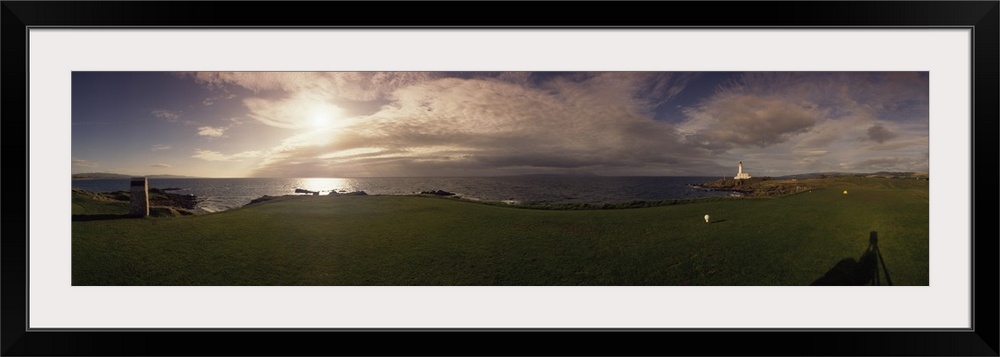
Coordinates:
<point>261,199</point>
<point>438,192</point>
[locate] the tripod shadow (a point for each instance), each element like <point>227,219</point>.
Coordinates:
<point>864,271</point>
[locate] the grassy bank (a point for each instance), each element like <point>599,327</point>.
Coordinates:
<point>414,240</point>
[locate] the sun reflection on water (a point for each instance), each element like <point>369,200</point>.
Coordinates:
<point>326,185</point>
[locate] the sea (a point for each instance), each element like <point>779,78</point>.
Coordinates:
<point>220,194</point>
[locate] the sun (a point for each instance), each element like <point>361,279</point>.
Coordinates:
<point>320,120</point>
<point>321,116</point>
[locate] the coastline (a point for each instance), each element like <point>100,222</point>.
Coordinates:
<point>223,194</point>
<point>762,187</point>
<point>759,187</point>
<point>161,202</point>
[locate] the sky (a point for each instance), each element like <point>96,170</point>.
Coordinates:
<point>449,124</point>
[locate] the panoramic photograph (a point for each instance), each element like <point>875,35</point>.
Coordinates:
<point>500,178</point>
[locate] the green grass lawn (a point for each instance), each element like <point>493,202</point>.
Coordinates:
<point>416,240</point>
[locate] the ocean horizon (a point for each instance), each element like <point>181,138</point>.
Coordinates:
<point>220,194</point>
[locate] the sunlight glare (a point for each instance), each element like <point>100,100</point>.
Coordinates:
<point>321,120</point>
<point>322,116</point>
<point>326,185</point>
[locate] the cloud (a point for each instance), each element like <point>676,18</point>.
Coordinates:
<point>875,92</point>
<point>743,120</point>
<point>494,123</point>
<point>212,100</point>
<point>160,165</point>
<point>171,116</point>
<point>483,126</point>
<point>830,131</point>
<point>160,147</point>
<point>356,86</point>
<point>84,163</point>
<point>879,134</point>
<point>297,111</point>
<point>842,107</point>
<point>214,132</point>
<point>293,99</point>
<point>885,164</point>
<point>902,145</point>
<point>811,153</point>
<point>211,155</point>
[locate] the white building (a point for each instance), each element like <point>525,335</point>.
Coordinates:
<point>741,175</point>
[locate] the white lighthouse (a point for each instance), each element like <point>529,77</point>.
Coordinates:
<point>740,175</point>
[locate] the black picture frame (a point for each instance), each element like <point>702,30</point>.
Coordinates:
<point>982,17</point>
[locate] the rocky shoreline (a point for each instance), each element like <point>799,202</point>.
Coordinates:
<point>184,204</point>
<point>758,187</point>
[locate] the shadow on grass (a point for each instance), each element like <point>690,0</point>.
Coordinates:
<point>717,221</point>
<point>98,217</point>
<point>863,271</point>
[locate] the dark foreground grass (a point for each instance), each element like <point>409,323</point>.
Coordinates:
<point>413,240</point>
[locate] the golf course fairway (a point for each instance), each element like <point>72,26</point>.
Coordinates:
<point>423,240</point>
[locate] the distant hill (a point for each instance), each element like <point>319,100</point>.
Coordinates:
<point>107,175</point>
<point>883,174</point>
<point>99,175</point>
<point>169,176</point>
